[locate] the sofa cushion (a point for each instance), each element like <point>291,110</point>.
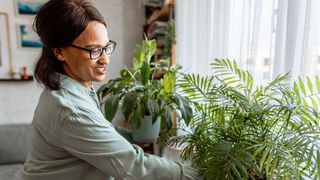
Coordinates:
<point>14,143</point>
<point>11,172</point>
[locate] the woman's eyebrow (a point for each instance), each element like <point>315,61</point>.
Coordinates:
<point>96,45</point>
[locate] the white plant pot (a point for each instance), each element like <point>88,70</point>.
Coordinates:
<point>148,132</point>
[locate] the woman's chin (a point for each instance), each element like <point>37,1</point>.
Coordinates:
<point>99,78</point>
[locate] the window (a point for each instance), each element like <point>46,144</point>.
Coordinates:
<point>262,36</point>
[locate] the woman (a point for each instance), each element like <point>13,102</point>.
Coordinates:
<point>70,138</point>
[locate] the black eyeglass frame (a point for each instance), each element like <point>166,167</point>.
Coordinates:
<point>103,49</point>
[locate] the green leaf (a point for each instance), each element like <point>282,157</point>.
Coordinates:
<point>314,102</point>
<point>235,64</point>
<point>184,107</point>
<point>317,83</point>
<point>168,117</point>
<point>318,161</point>
<point>150,49</point>
<point>269,164</point>
<point>139,56</point>
<point>310,155</point>
<point>129,102</point>
<point>169,81</point>
<point>153,47</point>
<point>296,89</point>
<point>175,67</point>
<point>111,106</point>
<point>145,72</point>
<point>274,165</point>
<point>263,158</point>
<point>310,85</point>
<point>229,64</point>
<point>137,117</point>
<point>126,74</point>
<point>305,103</point>
<point>153,106</point>
<point>258,148</point>
<point>144,52</point>
<point>235,171</point>
<point>249,81</point>
<point>303,89</point>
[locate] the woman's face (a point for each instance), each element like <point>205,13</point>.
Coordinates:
<point>77,63</point>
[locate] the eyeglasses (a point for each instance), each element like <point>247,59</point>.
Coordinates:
<point>96,52</point>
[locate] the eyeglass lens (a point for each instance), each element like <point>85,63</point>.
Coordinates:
<point>97,52</point>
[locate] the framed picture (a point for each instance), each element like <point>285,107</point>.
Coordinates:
<point>28,7</point>
<point>27,37</point>
<point>5,53</point>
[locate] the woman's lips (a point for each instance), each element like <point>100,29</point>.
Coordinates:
<point>101,70</point>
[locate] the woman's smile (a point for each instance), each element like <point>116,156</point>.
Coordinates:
<point>100,69</point>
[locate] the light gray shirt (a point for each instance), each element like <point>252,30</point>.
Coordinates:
<point>71,140</point>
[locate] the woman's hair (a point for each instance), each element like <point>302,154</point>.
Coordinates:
<point>58,23</point>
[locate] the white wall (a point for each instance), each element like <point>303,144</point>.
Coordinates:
<point>18,99</point>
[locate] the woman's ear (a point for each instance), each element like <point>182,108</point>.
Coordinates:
<point>58,53</point>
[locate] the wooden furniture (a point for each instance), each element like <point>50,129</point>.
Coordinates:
<point>155,27</point>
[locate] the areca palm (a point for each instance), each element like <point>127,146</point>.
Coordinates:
<point>242,131</point>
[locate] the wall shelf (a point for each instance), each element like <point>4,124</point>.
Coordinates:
<point>30,78</point>
<point>163,14</point>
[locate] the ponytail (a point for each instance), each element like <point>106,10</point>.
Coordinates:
<point>46,68</point>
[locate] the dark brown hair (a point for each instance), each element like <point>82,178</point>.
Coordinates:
<point>58,23</point>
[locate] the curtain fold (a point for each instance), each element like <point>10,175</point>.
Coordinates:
<point>266,37</point>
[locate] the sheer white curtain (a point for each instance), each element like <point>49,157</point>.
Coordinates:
<point>266,37</point>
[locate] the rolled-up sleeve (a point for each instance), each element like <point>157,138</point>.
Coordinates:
<point>96,141</point>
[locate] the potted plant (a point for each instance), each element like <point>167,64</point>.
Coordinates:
<point>148,103</point>
<point>242,131</point>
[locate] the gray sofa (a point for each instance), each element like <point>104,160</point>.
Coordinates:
<point>14,141</point>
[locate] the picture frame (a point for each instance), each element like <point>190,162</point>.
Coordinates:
<point>28,7</point>
<point>5,47</point>
<point>27,38</point>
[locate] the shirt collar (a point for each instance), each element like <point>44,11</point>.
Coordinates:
<point>73,85</point>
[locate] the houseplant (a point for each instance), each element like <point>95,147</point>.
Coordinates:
<point>242,131</point>
<point>140,96</point>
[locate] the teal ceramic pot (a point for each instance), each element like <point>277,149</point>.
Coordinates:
<point>148,132</point>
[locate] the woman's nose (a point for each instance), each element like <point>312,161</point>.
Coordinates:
<point>105,58</point>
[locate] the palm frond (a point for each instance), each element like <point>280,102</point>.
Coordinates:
<point>307,92</point>
<point>196,87</point>
<point>228,72</point>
